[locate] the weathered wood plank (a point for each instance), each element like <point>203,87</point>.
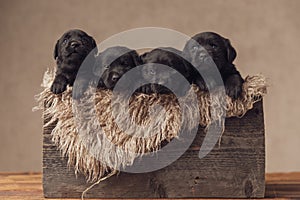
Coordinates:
<point>278,185</point>
<point>235,169</point>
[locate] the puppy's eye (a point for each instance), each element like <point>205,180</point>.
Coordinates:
<point>194,48</point>
<point>106,66</point>
<point>213,46</point>
<point>65,41</point>
<point>85,40</point>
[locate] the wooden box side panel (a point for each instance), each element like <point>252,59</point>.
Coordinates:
<point>235,169</point>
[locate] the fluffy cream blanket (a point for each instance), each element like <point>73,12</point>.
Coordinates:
<point>90,132</point>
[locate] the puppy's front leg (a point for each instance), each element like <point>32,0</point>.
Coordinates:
<point>233,85</point>
<point>200,83</point>
<point>59,84</point>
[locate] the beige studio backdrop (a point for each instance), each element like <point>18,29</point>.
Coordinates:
<point>266,35</point>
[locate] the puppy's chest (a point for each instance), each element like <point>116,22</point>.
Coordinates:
<point>69,63</point>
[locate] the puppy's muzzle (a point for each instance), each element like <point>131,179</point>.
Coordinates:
<point>202,54</point>
<point>115,77</point>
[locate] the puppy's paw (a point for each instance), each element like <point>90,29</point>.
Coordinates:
<point>201,84</point>
<point>58,86</point>
<point>148,89</point>
<point>233,86</point>
<point>145,89</point>
<point>233,90</point>
<point>100,84</point>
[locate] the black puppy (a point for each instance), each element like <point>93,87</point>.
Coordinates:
<point>152,72</point>
<point>207,49</point>
<point>70,51</point>
<point>112,64</point>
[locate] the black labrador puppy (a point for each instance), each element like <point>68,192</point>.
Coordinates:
<point>209,49</point>
<point>112,64</point>
<point>70,51</point>
<point>155,72</point>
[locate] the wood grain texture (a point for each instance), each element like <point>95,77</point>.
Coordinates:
<point>235,169</point>
<point>28,186</point>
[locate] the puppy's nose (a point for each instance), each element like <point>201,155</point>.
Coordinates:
<point>74,44</point>
<point>115,77</point>
<point>202,54</point>
<point>161,82</point>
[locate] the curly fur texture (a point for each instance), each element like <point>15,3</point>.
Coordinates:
<point>91,151</point>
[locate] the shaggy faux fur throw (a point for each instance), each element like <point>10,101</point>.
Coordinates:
<point>87,134</point>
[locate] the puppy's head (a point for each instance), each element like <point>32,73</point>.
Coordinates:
<point>74,46</point>
<point>204,46</point>
<point>155,72</point>
<point>113,63</point>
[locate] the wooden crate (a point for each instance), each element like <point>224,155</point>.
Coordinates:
<point>235,169</point>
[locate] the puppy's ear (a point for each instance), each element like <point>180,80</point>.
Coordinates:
<point>143,56</point>
<point>231,53</point>
<point>186,54</point>
<point>136,58</point>
<point>55,54</point>
<point>94,45</point>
